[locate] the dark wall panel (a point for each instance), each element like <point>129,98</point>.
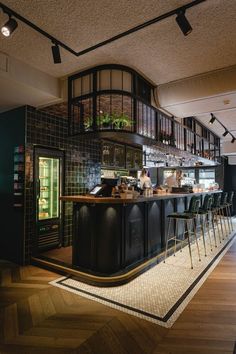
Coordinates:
<point>82,165</point>
<point>30,127</point>
<point>134,233</point>
<point>168,207</point>
<point>154,227</point>
<point>83,236</point>
<point>108,238</point>
<point>230,182</point>
<point>12,134</point>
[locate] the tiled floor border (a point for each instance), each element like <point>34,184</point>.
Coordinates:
<point>149,316</point>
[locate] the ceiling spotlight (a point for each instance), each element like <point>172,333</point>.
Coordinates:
<point>183,23</point>
<point>233,140</point>
<point>56,54</point>
<point>9,27</point>
<point>213,118</point>
<point>225,133</point>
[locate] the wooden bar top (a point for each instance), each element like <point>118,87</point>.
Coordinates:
<point>110,200</point>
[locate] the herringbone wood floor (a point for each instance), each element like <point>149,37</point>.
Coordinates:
<point>38,318</point>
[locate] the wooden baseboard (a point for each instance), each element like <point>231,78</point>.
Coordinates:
<point>98,280</point>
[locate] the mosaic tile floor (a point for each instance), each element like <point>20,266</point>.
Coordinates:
<point>161,293</point>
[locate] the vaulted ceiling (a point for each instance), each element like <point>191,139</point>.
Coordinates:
<point>160,52</point>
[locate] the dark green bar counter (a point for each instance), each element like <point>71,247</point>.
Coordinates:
<point>114,236</point>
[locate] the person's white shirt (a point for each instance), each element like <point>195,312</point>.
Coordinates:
<point>171,181</point>
<point>145,182</point>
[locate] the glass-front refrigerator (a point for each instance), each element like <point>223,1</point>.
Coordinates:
<point>49,185</point>
<point>207,178</point>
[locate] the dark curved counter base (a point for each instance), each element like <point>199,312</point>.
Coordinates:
<point>113,237</point>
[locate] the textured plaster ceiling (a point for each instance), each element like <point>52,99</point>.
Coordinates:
<point>160,52</point>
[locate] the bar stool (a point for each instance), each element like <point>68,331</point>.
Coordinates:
<point>210,218</point>
<point>216,219</point>
<point>223,211</point>
<point>188,218</point>
<point>228,208</point>
<point>204,216</point>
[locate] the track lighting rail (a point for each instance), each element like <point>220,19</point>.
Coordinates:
<point>226,132</point>
<point>56,41</point>
<point>11,12</point>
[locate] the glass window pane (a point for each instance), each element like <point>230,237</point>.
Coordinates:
<point>86,84</point>
<point>198,129</point>
<point>116,80</point>
<point>127,81</point>
<point>77,88</point>
<point>104,78</point>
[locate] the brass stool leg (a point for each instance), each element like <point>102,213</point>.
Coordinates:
<point>213,227</point>
<point>224,221</point>
<point>231,222</point>
<point>207,221</point>
<point>232,226</point>
<point>189,245</point>
<point>217,224</point>
<point>221,222</point>
<point>195,235</point>
<point>177,233</point>
<point>202,222</point>
<point>175,236</point>
<point>228,217</point>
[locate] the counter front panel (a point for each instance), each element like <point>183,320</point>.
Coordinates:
<point>112,236</point>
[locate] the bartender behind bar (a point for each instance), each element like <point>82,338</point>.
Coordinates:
<point>145,180</point>
<point>171,180</point>
<point>174,180</point>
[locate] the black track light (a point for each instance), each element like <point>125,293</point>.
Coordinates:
<point>233,140</point>
<point>9,27</point>
<point>225,133</point>
<point>213,118</point>
<point>183,23</point>
<point>56,54</point>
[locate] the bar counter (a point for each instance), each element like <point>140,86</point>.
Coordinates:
<point>112,236</point>
<point>105,200</point>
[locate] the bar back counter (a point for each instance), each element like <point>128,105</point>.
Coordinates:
<point>113,236</point>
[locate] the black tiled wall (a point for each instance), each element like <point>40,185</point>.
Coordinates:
<point>82,165</point>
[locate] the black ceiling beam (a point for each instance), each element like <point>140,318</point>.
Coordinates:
<point>11,12</point>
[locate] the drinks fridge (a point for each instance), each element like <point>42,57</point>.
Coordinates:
<point>48,187</point>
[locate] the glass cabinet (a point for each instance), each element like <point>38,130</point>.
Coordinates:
<point>48,201</point>
<point>207,177</point>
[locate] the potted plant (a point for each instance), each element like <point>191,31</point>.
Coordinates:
<point>104,120</point>
<point>121,121</point>
<point>88,122</point>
